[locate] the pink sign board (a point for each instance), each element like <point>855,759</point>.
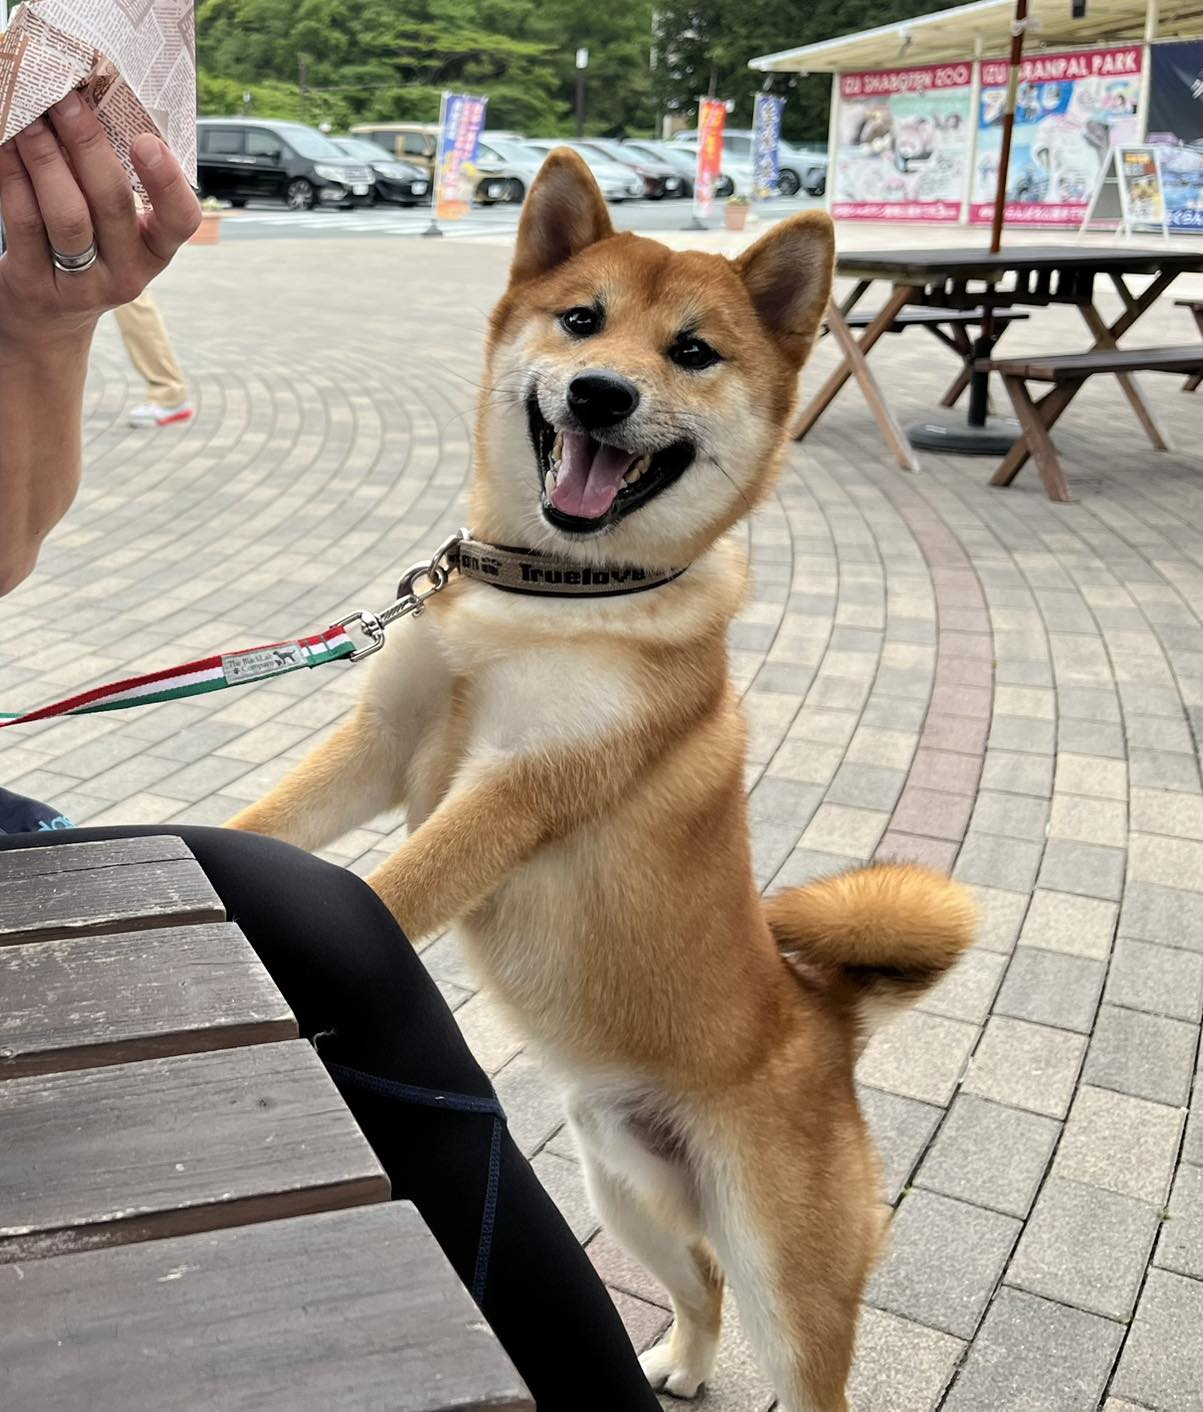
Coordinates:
<point>903,144</point>
<point>1071,109</point>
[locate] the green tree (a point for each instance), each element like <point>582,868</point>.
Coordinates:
<point>704,46</point>
<point>342,60</point>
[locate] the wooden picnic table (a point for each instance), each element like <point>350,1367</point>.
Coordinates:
<point>1025,275</point>
<point>189,1215</point>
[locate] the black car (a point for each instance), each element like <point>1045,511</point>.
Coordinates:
<point>396,181</point>
<point>248,159</point>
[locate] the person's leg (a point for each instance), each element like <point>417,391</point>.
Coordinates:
<point>146,341</point>
<point>20,814</point>
<point>358,989</point>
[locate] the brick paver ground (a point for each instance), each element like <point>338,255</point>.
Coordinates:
<point>931,668</point>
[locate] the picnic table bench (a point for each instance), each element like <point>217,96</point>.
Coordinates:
<point>1196,308</point>
<point>974,280</point>
<point>949,327</point>
<point>1068,372</point>
<point>189,1215</point>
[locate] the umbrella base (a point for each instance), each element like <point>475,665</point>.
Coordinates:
<point>951,433</point>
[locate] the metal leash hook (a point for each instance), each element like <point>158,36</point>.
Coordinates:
<point>410,600</point>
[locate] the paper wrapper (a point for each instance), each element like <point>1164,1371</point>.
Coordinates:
<point>134,61</point>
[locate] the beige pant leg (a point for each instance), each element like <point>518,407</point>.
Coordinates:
<point>145,336</point>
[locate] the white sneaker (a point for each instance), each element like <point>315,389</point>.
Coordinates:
<point>149,414</point>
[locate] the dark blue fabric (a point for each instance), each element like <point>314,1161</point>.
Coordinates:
<point>20,814</point>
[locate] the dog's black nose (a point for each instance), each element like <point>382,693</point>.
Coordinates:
<point>601,399</point>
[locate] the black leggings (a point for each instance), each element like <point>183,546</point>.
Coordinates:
<point>382,1028</point>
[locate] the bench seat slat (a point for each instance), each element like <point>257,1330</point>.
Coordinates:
<point>1063,366</point>
<point>923,314</point>
<point>87,1002</point>
<point>168,1147</point>
<point>351,1309</point>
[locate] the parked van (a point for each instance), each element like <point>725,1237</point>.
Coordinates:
<point>417,143</point>
<point>248,159</point>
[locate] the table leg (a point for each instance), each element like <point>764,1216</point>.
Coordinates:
<point>1195,378</point>
<point>855,365</point>
<point>854,361</point>
<point>958,385</point>
<point>1104,338</point>
<point>1036,419</point>
<point>1050,408</point>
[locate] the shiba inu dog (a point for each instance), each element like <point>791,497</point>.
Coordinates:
<point>572,766</point>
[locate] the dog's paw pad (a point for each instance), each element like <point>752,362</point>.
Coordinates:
<point>666,1375</point>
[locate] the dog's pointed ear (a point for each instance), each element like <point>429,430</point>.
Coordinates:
<point>563,214</point>
<point>788,275</point>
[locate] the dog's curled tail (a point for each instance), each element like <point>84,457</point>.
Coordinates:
<point>881,935</point>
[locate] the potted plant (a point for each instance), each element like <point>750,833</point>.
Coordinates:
<point>209,230</point>
<point>735,212</point>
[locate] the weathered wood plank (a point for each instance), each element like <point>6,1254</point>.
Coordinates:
<point>173,1146</point>
<point>353,1309</point>
<point>1053,367</point>
<point>16,863</point>
<point>91,893</point>
<point>104,1000</point>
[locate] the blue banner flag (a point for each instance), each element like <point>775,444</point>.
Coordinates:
<point>463,119</point>
<point>766,126</point>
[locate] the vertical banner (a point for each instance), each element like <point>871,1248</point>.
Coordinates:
<point>1071,110</point>
<point>460,124</point>
<point>766,145</point>
<point>903,144</point>
<point>1176,126</point>
<point>712,115</point>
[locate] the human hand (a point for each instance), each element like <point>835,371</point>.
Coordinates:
<point>62,187</point>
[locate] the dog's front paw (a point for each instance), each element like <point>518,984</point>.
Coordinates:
<point>668,1372</point>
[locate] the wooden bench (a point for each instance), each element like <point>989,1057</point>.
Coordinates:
<point>1196,308</point>
<point>1068,372</point>
<point>949,326</point>
<point>189,1215</point>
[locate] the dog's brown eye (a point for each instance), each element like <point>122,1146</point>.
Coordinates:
<point>581,321</point>
<point>692,352</point>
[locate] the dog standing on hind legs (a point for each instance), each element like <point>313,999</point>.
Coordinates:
<point>571,761</point>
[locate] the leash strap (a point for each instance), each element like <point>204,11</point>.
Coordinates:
<point>522,571</point>
<point>200,677</point>
<point>514,570</point>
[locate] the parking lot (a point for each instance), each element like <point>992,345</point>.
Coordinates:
<point>268,220</point>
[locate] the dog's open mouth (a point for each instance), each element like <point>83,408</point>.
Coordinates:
<point>588,485</point>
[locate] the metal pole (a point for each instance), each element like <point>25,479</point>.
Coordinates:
<point>434,229</point>
<point>582,65</point>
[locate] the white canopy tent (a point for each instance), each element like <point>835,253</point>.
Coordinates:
<point>958,46</point>
<point>983,30</point>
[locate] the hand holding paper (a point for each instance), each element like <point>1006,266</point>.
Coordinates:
<point>134,62</point>
<point>110,76</point>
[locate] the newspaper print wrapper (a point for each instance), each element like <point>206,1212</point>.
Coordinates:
<point>133,61</point>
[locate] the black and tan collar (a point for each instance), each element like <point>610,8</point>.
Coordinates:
<point>526,571</point>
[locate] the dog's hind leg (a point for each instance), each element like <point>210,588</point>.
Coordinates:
<point>680,1259</point>
<point>797,1243</point>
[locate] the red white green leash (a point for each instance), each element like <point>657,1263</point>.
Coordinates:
<point>514,570</point>
<point>253,664</point>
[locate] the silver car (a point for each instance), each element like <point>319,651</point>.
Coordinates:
<point>800,168</point>
<point>683,160</point>
<point>617,182</point>
<point>507,167</point>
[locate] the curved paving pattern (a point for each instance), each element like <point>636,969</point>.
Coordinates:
<point>1000,686</point>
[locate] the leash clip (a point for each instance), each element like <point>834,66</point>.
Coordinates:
<point>410,599</point>
<point>371,625</point>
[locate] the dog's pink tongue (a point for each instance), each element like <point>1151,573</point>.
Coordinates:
<point>590,476</point>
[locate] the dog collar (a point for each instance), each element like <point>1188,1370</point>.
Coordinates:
<point>527,571</point>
